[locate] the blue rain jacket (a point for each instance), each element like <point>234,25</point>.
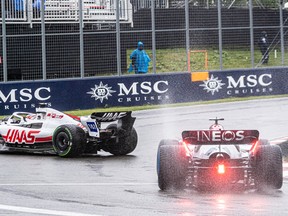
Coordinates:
<point>141,60</point>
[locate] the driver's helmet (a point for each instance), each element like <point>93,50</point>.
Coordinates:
<point>40,116</point>
<point>216,127</point>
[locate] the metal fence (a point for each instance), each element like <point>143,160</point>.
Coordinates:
<point>52,39</point>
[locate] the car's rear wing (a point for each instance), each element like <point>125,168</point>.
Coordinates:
<point>110,116</point>
<point>220,137</point>
<point>125,119</point>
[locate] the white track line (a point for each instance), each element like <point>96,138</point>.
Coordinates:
<point>37,211</point>
<point>78,184</point>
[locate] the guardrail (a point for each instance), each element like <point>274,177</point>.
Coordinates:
<point>23,11</point>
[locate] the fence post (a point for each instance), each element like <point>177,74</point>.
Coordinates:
<point>118,43</point>
<point>43,37</point>
<point>4,42</point>
<point>82,73</point>
<point>153,35</point>
<point>251,32</point>
<point>30,12</point>
<point>187,29</point>
<point>220,34</point>
<point>281,32</point>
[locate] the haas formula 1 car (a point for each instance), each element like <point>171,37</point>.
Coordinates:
<point>69,136</point>
<point>218,158</point>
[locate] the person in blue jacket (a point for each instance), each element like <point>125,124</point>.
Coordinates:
<point>140,60</point>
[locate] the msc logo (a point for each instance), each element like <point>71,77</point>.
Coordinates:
<point>25,95</point>
<point>131,91</point>
<point>212,85</point>
<point>101,92</point>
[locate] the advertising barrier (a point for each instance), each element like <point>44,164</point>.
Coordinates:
<point>137,90</point>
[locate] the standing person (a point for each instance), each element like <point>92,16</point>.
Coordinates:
<point>264,47</point>
<point>140,60</point>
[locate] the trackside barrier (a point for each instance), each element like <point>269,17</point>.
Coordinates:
<point>141,90</point>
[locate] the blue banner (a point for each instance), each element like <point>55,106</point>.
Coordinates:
<point>140,90</point>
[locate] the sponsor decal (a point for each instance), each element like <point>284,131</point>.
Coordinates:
<point>133,92</point>
<point>20,136</point>
<point>218,136</point>
<point>92,126</point>
<point>251,84</point>
<point>54,116</point>
<point>101,92</point>
<point>111,116</point>
<point>221,136</point>
<point>17,99</point>
<point>243,85</point>
<point>212,85</point>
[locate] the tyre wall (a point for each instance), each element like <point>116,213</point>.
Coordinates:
<point>137,90</point>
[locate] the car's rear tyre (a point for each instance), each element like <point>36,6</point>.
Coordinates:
<point>269,168</point>
<point>69,140</point>
<point>263,142</point>
<point>172,167</point>
<point>122,145</point>
<point>164,142</point>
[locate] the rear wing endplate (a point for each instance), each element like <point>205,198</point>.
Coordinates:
<point>220,137</point>
<point>110,116</point>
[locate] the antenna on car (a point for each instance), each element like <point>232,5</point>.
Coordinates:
<point>216,120</point>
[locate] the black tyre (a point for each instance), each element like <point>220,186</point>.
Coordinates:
<point>168,142</point>
<point>122,145</point>
<point>69,140</point>
<point>264,142</point>
<point>172,166</point>
<point>269,168</point>
<point>164,142</point>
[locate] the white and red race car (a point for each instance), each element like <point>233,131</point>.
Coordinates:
<point>69,136</point>
<point>219,159</point>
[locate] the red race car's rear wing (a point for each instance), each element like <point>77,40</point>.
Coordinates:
<point>220,137</point>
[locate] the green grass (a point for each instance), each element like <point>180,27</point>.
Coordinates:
<point>174,60</point>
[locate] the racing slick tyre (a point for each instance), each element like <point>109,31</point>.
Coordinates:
<point>69,140</point>
<point>269,168</point>
<point>122,145</point>
<point>164,142</point>
<point>172,167</point>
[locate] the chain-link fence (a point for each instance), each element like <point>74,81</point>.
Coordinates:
<point>52,39</point>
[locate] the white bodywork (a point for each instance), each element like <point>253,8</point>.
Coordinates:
<point>205,151</point>
<point>30,128</point>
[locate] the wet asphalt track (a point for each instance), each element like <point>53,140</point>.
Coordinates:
<point>107,185</point>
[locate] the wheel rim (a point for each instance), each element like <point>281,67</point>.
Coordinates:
<point>63,141</point>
